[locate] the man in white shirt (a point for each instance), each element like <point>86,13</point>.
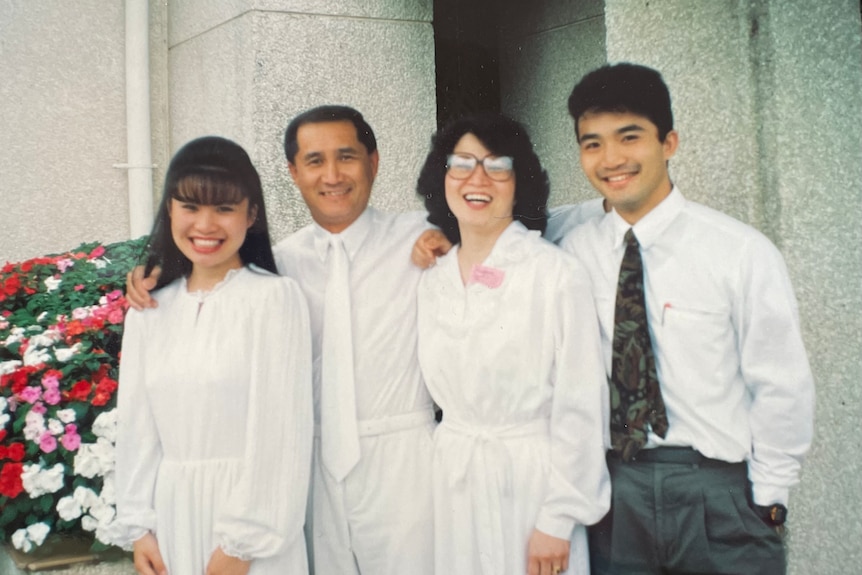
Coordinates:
<point>370,509</point>
<point>708,491</point>
<point>376,520</point>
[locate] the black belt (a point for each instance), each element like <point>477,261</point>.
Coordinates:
<point>680,455</point>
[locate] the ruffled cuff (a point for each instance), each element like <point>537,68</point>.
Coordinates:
<point>231,550</point>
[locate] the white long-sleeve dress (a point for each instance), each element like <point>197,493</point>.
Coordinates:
<point>215,424</point>
<point>518,372</point>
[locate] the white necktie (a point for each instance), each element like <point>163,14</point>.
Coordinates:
<point>339,437</point>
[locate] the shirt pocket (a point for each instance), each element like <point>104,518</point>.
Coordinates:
<point>698,343</point>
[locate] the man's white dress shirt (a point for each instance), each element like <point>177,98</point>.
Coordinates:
<point>724,325</point>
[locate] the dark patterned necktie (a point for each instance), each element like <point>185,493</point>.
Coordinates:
<point>635,395</point>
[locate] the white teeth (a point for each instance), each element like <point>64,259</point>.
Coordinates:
<point>618,178</point>
<point>206,243</point>
<point>335,193</point>
<point>477,198</point>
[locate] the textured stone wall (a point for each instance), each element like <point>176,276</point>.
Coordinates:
<point>545,48</point>
<point>245,73</point>
<point>61,125</point>
<point>768,102</point>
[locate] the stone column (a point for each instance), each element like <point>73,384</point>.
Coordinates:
<point>768,102</point>
<point>243,69</point>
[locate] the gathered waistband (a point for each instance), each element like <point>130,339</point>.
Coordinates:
<point>390,424</point>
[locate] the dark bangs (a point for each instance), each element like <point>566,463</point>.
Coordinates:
<point>210,187</point>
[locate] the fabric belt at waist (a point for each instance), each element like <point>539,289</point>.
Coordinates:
<point>481,455</point>
<point>390,424</point>
<point>678,455</point>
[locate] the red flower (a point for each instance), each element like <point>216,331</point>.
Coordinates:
<point>104,390</point>
<point>12,285</point>
<point>2,434</point>
<point>98,251</point>
<point>74,327</point>
<point>10,480</point>
<point>80,391</point>
<point>27,266</point>
<point>15,451</point>
<point>18,378</point>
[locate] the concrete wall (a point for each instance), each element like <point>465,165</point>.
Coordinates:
<point>62,124</point>
<point>243,69</point>
<point>768,103</point>
<point>545,49</point>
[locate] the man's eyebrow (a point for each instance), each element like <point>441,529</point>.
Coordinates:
<point>631,128</point>
<point>313,155</point>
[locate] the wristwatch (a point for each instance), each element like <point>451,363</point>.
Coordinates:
<point>775,514</point>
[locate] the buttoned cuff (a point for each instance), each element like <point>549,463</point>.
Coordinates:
<point>765,494</point>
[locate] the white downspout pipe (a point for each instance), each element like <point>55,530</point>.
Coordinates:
<point>138,134</point>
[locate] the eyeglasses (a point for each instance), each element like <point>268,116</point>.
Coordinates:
<point>462,166</point>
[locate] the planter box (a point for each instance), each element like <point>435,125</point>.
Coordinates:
<point>61,555</point>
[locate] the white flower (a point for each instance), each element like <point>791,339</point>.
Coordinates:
<point>68,509</point>
<point>64,354</point>
<point>105,425</point>
<point>103,513</point>
<point>108,494</point>
<point>38,481</point>
<point>85,497</point>
<point>7,367</point>
<point>80,313</point>
<point>21,541</point>
<point>41,316</point>
<point>89,523</point>
<point>35,356</point>
<point>38,532</point>
<point>55,427</point>
<point>94,458</point>
<point>3,404</point>
<point>52,283</point>
<point>34,426</point>
<point>45,339</point>
<point>4,419</point>
<point>99,263</point>
<point>25,539</point>
<point>66,415</point>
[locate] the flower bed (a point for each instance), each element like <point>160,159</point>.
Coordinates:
<point>61,320</point>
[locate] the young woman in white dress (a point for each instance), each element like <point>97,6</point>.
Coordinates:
<point>215,407</point>
<point>509,348</point>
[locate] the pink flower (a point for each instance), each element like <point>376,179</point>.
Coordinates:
<point>51,396</point>
<point>97,252</point>
<point>79,287</point>
<point>64,264</point>
<point>116,316</point>
<point>51,380</point>
<point>30,394</point>
<point>71,440</point>
<point>114,295</point>
<point>47,442</point>
<point>39,408</point>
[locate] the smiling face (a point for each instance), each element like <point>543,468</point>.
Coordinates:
<point>210,236</point>
<point>479,203</point>
<point>625,161</point>
<point>334,172</point>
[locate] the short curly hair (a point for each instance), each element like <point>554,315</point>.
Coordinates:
<point>502,136</point>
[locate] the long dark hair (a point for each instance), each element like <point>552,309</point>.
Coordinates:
<point>502,136</point>
<point>208,171</point>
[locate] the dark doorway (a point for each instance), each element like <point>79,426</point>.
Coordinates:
<point>466,40</point>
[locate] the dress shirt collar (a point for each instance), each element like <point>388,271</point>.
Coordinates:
<point>651,226</point>
<point>353,236</point>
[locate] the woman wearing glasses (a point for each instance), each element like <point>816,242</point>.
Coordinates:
<point>509,348</point>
